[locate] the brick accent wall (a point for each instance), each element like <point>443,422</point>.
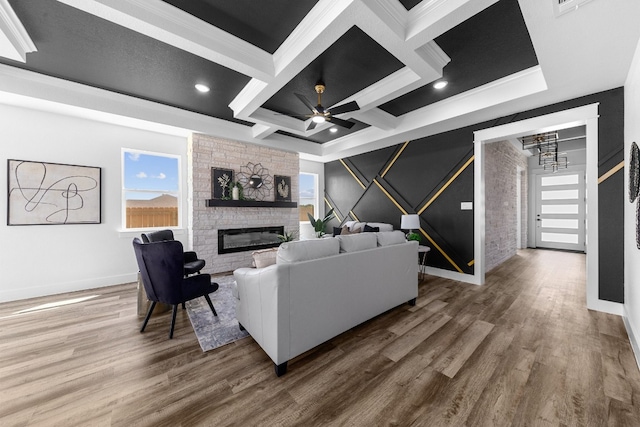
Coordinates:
<point>206,152</point>
<point>502,160</point>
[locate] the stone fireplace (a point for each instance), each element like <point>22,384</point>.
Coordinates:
<point>207,152</point>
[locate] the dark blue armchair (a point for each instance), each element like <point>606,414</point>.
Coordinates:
<point>162,269</point>
<point>192,264</point>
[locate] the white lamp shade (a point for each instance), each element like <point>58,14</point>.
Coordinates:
<point>410,222</point>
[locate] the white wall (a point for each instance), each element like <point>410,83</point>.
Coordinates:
<point>48,259</point>
<point>308,166</point>
<point>631,252</point>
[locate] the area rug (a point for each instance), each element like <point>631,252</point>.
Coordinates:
<point>216,331</point>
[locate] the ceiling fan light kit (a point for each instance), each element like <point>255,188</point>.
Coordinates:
<point>319,114</point>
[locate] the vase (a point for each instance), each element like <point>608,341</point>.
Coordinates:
<point>235,193</point>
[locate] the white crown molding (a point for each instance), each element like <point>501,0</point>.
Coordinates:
<point>429,19</point>
<point>171,25</point>
<point>377,118</point>
<point>433,54</point>
<point>15,42</point>
<point>444,115</point>
<point>392,13</point>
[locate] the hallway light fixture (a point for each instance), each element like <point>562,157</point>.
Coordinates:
<point>546,146</point>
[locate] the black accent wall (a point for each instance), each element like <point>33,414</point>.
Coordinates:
<point>438,171</point>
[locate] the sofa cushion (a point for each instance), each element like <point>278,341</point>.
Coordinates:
<point>304,250</point>
<point>264,257</point>
<point>357,242</point>
<point>381,225</point>
<point>387,238</point>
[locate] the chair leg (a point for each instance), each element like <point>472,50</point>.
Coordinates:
<point>146,319</point>
<point>210,304</point>
<point>173,320</point>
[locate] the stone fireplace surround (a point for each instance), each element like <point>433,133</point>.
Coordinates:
<point>206,152</point>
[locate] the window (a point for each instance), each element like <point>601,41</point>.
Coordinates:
<point>150,189</point>
<point>308,196</point>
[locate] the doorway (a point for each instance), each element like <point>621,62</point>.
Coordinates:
<point>560,211</point>
<point>586,115</point>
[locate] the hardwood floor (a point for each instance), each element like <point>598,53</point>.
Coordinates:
<point>521,350</point>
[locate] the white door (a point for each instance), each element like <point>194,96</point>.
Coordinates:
<point>560,211</point>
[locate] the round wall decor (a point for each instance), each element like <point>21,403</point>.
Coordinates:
<point>255,180</point>
<point>634,172</point>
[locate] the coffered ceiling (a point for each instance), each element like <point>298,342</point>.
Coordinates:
<point>141,59</point>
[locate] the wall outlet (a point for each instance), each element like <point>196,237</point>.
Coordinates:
<point>466,206</point>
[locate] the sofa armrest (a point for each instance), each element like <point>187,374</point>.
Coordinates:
<point>263,308</point>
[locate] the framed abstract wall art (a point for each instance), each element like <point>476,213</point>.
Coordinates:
<point>40,193</point>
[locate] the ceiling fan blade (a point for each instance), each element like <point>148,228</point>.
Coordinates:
<point>304,116</point>
<point>306,102</point>
<point>312,125</point>
<point>345,108</point>
<point>344,123</point>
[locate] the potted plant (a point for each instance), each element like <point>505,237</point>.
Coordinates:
<point>288,236</point>
<point>320,224</point>
<point>413,236</point>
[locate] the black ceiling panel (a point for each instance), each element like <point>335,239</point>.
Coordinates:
<point>490,45</point>
<point>326,135</point>
<point>352,63</point>
<point>410,4</point>
<point>76,46</point>
<point>265,24</point>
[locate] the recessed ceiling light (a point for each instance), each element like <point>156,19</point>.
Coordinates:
<point>202,88</point>
<point>333,130</point>
<point>440,84</point>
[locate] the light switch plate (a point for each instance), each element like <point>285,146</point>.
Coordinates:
<point>466,206</point>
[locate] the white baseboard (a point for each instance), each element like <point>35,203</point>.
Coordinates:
<point>632,338</point>
<point>453,275</point>
<point>606,306</point>
<point>60,288</point>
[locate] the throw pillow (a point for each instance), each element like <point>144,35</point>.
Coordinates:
<point>264,257</point>
<point>368,229</point>
<point>336,231</point>
<point>345,230</point>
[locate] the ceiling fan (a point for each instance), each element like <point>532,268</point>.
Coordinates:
<point>321,114</point>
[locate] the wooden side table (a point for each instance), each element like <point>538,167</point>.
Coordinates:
<point>424,250</point>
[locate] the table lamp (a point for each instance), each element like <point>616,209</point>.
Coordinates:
<point>410,222</point>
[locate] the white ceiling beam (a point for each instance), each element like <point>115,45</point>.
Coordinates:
<point>261,131</point>
<point>161,21</point>
<point>323,25</point>
<point>430,19</point>
<point>435,117</point>
<point>15,42</point>
<point>377,118</point>
<point>277,121</point>
<point>379,24</point>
